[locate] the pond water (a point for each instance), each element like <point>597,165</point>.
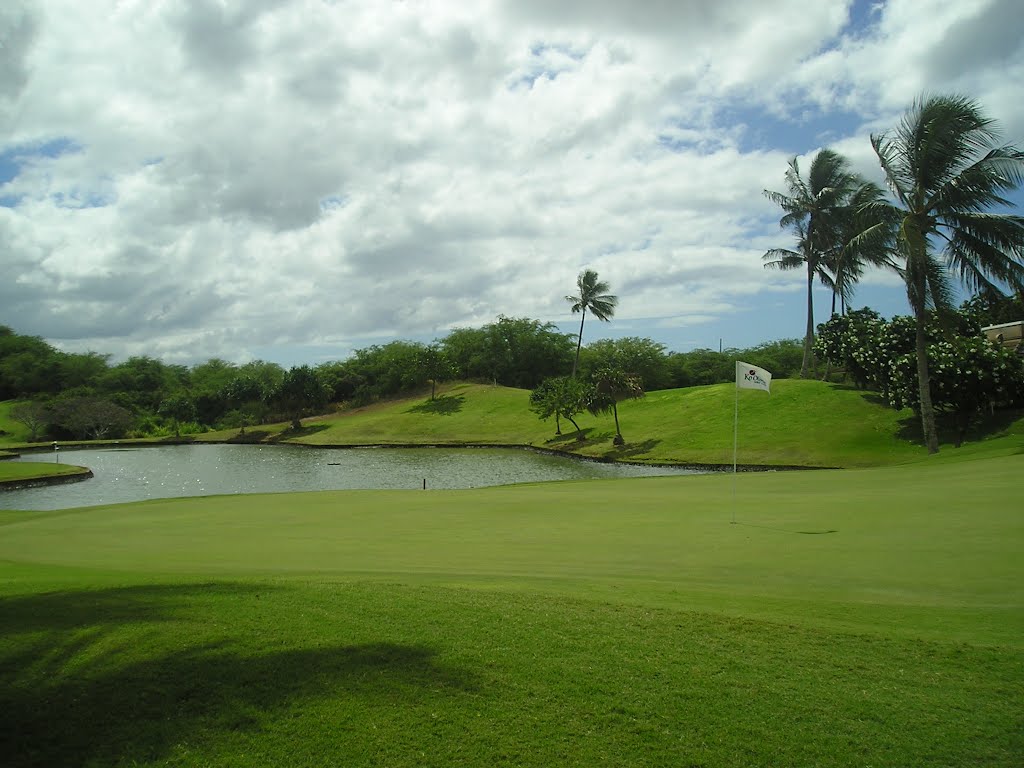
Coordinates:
<point>134,474</point>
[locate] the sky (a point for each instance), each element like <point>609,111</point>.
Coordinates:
<point>290,180</point>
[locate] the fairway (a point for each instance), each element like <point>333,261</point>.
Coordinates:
<point>847,617</point>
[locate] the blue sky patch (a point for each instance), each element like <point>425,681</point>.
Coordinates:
<point>14,158</point>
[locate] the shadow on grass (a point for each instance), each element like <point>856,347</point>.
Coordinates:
<point>979,428</point>
<point>570,437</point>
<point>74,691</point>
<point>250,436</point>
<point>631,450</point>
<point>304,431</point>
<point>443,405</point>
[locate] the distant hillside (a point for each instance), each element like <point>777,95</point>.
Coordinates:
<point>801,423</point>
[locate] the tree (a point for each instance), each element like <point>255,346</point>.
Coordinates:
<point>852,342</point>
<point>702,366</point>
<point>849,256</point>
<point>611,386</point>
<point>562,397</point>
<point>93,418</point>
<point>434,366</point>
<point>988,309</point>
<point>178,407</point>
<point>34,416</point>
<point>592,296</point>
<point>947,172</point>
<point>514,351</point>
<point>301,391</point>
<point>644,357</point>
<point>966,375</point>
<point>142,382</point>
<point>813,212</point>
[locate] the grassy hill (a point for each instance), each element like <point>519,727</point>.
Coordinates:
<point>802,423</point>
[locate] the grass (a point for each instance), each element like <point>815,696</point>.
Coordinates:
<point>868,617</point>
<point>802,423</point>
<point>34,470</point>
<point>11,431</point>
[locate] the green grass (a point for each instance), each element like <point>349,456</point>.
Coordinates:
<point>34,470</point>
<point>802,423</point>
<point>11,431</point>
<point>859,617</point>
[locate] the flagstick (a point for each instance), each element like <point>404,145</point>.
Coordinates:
<point>735,436</point>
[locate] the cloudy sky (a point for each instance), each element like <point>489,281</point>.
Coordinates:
<point>293,179</point>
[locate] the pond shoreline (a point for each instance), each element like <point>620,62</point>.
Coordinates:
<point>46,480</point>
<point>708,468</point>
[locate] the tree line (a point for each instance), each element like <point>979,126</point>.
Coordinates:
<point>85,396</point>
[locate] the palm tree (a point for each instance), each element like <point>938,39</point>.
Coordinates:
<point>612,385</point>
<point>947,172</point>
<point>593,296</point>
<point>850,255</point>
<point>812,212</point>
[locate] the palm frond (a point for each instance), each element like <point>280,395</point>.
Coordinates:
<point>781,258</point>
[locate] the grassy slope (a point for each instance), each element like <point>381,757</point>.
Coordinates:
<point>10,430</point>
<point>802,423</point>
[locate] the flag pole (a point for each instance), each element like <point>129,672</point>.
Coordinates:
<point>747,377</point>
<point>735,436</point>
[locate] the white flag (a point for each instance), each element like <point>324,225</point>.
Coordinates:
<point>751,377</point>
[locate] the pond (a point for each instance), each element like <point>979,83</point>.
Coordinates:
<point>134,474</point>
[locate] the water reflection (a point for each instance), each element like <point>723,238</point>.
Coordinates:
<point>133,474</point>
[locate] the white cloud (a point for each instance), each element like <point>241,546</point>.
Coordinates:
<point>241,176</point>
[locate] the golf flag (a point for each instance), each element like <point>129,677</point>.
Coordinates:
<point>751,377</point>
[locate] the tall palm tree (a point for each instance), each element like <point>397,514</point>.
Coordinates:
<point>593,296</point>
<point>812,211</point>
<point>947,171</point>
<point>851,255</point>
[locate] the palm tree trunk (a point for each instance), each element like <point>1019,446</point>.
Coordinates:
<point>931,438</point>
<point>579,342</point>
<point>618,432</point>
<point>809,336</point>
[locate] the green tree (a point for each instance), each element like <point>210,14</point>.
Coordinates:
<point>993,309</point>
<point>643,357</point>
<point>34,416</point>
<point>301,392</point>
<point>82,370</point>
<point>562,397</point>
<point>92,418</point>
<point>593,296</point>
<point>947,172</point>
<point>611,386</point>
<point>849,255</point>
<point>28,366</point>
<point>813,211</point>
<point>434,366</point>
<point>703,366</point>
<point>141,383</point>
<point>967,377</point>
<point>851,342</point>
<point>178,407</point>
<point>514,351</point>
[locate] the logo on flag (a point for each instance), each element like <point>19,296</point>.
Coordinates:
<point>751,377</point>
